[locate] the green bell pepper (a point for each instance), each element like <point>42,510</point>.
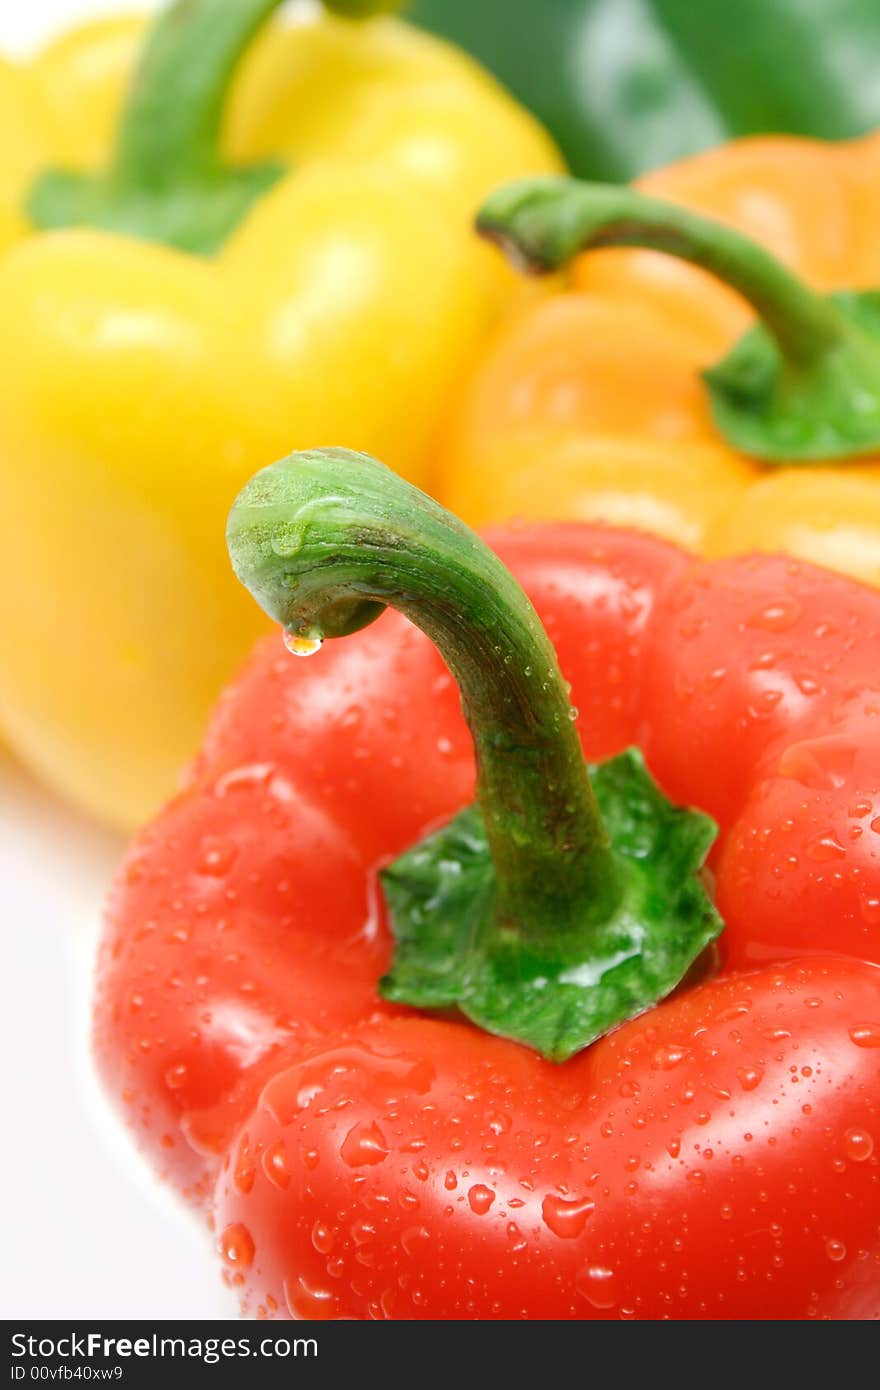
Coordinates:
<point>626,85</point>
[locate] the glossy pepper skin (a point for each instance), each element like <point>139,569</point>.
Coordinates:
<point>590,405</point>
<point>143,383</point>
<point>627,87</point>
<point>715,1158</point>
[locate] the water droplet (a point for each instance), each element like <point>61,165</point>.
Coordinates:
<point>175,1076</point>
<point>236,1246</point>
<point>596,1284</point>
<point>302,646</point>
<point>216,857</point>
<point>245,1170</point>
<point>413,1240</point>
<point>566,1217</point>
<point>823,848</point>
<point>298,1087</point>
<point>388,1302</point>
<point>305,1302</point>
<point>667,1057</point>
<point>244,779</point>
<point>821,764</point>
<point>275,1165</point>
<point>515,1236</point>
<point>835,1250</point>
<point>865,1034</point>
<point>323,1239</point>
<point>364,1144</point>
<point>869,907</point>
<point>480,1198</point>
<point>858,1145</point>
<point>778,616</point>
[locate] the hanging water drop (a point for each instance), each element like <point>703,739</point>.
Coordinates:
<point>301,646</point>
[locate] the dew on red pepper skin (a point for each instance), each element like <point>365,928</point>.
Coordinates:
<point>566,1217</point>
<point>835,1250</point>
<point>858,1145</point>
<point>414,1239</point>
<point>245,1171</point>
<point>364,1144</point>
<point>480,1198</point>
<point>865,1034</point>
<point>598,1285</point>
<point>323,1239</point>
<point>869,908</point>
<point>217,857</point>
<point>778,616</point>
<point>236,1246</point>
<point>305,1302</point>
<point>275,1165</point>
<point>665,1058</point>
<point>362,1231</point>
<point>379,1070</point>
<point>824,848</point>
<point>243,779</point>
<point>822,764</point>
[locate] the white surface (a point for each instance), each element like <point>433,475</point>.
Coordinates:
<point>86,1234</point>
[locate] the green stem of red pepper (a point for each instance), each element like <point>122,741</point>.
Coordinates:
<point>344,531</point>
<point>166,180</point>
<point>804,384</point>
<point>519,909</point>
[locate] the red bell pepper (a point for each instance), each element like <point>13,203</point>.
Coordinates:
<point>713,1157</point>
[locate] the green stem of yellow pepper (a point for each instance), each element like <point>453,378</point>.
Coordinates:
<point>166,180</point>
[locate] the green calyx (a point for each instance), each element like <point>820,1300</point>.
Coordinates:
<point>803,385</point>
<point>166,181</point>
<point>470,958</point>
<point>565,900</point>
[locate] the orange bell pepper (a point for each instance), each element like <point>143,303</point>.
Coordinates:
<point>590,405</point>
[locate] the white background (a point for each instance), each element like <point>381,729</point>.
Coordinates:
<point>85,1233</point>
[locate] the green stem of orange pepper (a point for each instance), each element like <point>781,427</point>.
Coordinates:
<point>803,385</point>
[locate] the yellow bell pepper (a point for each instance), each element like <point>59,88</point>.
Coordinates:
<point>595,403</point>
<point>266,245</point>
